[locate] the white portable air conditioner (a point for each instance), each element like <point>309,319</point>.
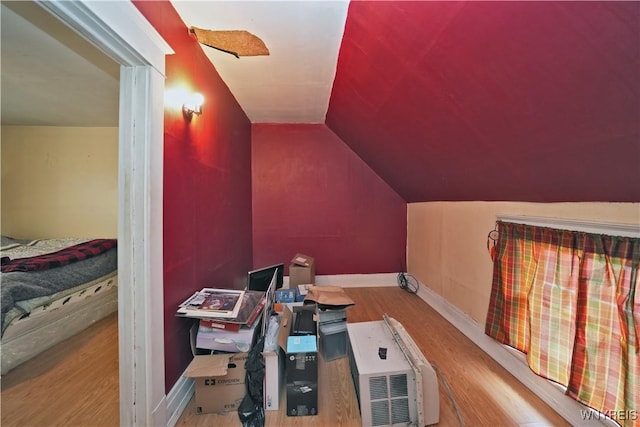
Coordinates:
<point>395,384</point>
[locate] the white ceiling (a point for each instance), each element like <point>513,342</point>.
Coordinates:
<point>291,85</point>
<point>52,77</point>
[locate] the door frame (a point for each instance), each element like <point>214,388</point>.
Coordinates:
<point>121,31</point>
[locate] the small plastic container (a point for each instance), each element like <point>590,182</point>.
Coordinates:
<point>333,340</point>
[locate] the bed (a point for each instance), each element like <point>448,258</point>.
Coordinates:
<point>50,290</point>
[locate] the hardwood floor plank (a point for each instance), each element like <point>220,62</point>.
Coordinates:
<point>485,393</point>
<point>76,382</point>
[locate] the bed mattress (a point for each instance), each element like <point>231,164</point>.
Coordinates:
<point>40,314</point>
<point>23,291</point>
<point>44,307</point>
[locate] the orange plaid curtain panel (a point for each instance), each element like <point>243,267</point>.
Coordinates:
<point>568,300</point>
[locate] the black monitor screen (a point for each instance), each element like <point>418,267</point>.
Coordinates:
<point>258,280</point>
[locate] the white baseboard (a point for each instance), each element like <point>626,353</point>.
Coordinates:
<point>354,280</point>
<point>178,399</point>
<point>159,413</point>
<point>566,407</point>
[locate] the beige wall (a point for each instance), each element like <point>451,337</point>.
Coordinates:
<point>447,243</point>
<point>59,182</point>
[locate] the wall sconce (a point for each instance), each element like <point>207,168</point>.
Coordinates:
<point>182,98</point>
<point>193,105</point>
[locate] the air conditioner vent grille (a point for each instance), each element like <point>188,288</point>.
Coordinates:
<point>400,411</point>
<point>378,388</point>
<point>399,387</point>
<point>380,413</point>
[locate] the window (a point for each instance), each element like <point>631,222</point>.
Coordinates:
<point>567,299</point>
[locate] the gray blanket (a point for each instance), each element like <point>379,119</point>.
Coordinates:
<point>18,287</point>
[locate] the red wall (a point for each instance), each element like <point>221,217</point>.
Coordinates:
<point>312,194</point>
<point>493,100</point>
<point>207,186</point>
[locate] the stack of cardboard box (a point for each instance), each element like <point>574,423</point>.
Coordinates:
<point>220,378</point>
<point>302,271</point>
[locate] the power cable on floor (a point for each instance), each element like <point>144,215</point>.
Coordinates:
<point>408,283</point>
<point>449,394</point>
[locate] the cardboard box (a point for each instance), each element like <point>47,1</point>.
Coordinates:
<point>219,380</point>
<point>302,399</point>
<point>274,361</point>
<point>301,374</point>
<point>274,372</point>
<point>273,378</point>
<point>301,365</point>
<point>302,260</point>
<point>302,271</point>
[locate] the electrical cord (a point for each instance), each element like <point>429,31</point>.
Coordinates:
<point>408,283</point>
<point>450,394</point>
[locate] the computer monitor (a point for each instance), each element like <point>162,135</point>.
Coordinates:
<point>258,280</point>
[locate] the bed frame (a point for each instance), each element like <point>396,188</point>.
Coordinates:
<point>50,324</point>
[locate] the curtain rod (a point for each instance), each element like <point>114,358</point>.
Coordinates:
<point>609,228</point>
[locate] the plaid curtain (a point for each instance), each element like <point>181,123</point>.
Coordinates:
<point>568,300</point>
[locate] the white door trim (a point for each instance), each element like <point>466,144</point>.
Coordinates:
<point>122,32</point>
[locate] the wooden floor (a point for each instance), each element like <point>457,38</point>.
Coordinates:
<point>81,389</point>
<point>75,383</point>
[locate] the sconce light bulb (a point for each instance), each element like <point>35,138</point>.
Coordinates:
<point>180,98</point>
<point>198,99</point>
<point>194,104</point>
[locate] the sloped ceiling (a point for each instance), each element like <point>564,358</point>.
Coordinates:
<point>528,101</point>
<point>293,83</point>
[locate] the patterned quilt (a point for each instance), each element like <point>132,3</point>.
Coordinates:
<point>58,258</point>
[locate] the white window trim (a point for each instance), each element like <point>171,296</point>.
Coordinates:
<point>609,228</point>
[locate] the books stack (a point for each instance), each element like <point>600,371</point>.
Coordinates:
<point>213,303</point>
<point>228,319</point>
<point>250,310</point>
